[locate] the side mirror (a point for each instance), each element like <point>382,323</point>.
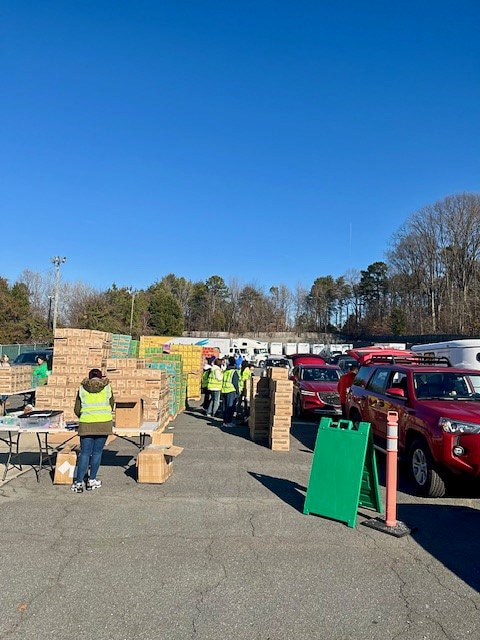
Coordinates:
<point>395,391</point>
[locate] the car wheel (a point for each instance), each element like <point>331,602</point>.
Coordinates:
<point>261,363</point>
<point>298,407</point>
<point>425,477</point>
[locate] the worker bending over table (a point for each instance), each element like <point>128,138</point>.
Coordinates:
<point>93,406</point>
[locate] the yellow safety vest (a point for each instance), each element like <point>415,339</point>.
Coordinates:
<point>243,378</point>
<point>205,377</point>
<point>95,406</point>
<point>227,385</point>
<point>214,384</point>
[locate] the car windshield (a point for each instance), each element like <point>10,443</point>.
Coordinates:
<point>320,374</point>
<point>447,385</point>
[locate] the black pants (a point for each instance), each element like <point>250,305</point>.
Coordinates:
<point>206,399</point>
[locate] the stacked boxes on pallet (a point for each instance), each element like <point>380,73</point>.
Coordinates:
<point>209,352</point>
<point>130,378</point>
<point>259,419</point>
<point>76,351</point>
<point>271,409</point>
<point>171,364</point>
<point>134,349</point>
<point>121,345</point>
<point>281,403</point>
<point>15,379</point>
<point>192,365</point>
<point>151,342</point>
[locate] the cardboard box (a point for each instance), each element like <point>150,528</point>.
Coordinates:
<point>128,412</point>
<point>65,466</point>
<point>155,463</point>
<point>277,373</point>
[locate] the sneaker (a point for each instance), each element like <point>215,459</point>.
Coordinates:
<point>77,487</point>
<point>93,484</point>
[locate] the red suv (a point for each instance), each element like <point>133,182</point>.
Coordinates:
<point>438,416</point>
<point>315,389</point>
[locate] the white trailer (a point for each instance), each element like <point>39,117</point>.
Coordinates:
<point>303,347</point>
<point>318,348</point>
<point>276,348</point>
<point>464,354</point>
<point>290,348</point>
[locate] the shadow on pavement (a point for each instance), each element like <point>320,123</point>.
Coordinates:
<point>114,459</point>
<point>305,431</point>
<point>290,492</point>
<point>448,533</point>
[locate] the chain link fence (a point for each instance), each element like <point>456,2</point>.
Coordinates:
<point>13,350</point>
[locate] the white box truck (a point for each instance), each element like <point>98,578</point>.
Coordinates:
<point>290,348</point>
<point>303,347</point>
<point>318,348</point>
<point>460,353</point>
<point>276,348</point>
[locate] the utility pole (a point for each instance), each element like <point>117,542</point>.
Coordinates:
<point>49,319</point>
<point>133,293</point>
<point>57,261</point>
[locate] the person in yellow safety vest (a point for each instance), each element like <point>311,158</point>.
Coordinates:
<point>245,375</point>
<point>93,406</point>
<point>230,392</point>
<point>214,386</point>
<point>205,375</point>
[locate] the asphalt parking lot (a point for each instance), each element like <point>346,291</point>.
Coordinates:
<point>223,550</point>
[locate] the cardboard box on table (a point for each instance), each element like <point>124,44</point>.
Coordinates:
<point>128,412</point>
<point>155,462</point>
<point>65,466</point>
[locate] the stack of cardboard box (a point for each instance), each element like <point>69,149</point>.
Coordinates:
<point>15,379</point>
<point>259,419</point>
<point>130,379</point>
<point>271,409</point>
<point>75,352</point>
<point>192,366</point>
<point>281,404</point>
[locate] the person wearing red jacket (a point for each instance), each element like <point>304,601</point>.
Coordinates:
<point>344,385</point>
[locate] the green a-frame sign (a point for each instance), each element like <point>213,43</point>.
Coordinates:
<point>344,475</point>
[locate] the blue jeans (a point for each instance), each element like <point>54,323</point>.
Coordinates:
<point>214,403</point>
<point>229,402</point>
<point>91,449</point>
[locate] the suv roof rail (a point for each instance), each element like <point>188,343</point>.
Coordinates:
<point>410,359</point>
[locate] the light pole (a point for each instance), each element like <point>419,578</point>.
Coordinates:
<point>133,293</point>
<point>49,319</point>
<point>57,261</point>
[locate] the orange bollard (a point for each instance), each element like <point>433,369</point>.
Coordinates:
<point>392,468</point>
<point>391,525</point>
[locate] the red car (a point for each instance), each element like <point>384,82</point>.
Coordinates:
<point>305,358</point>
<point>438,416</point>
<point>315,389</point>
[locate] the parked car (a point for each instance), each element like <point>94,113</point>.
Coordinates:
<point>345,362</point>
<point>30,358</point>
<point>438,410</point>
<point>306,358</point>
<point>279,361</point>
<point>315,389</point>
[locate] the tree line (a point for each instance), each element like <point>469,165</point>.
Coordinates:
<point>429,283</point>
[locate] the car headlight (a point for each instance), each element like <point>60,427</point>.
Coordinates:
<point>307,393</point>
<point>457,426</point>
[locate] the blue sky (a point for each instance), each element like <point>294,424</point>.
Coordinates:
<point>268,141</point>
